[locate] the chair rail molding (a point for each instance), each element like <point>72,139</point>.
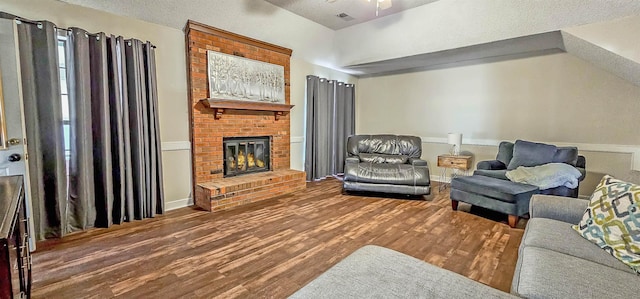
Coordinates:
<point>634,150</point>
<point>297,139</point>
<point>176,146</point>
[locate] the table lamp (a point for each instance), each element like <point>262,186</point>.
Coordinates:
<point>455,139</point>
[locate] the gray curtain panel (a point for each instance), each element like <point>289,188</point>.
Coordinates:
<point>120,146</point>
<point>114,170</point>
<point>345,122</point>
<point>144,138</point>
<point>43,119</point>
<point>101,128</point>
<point>330,120</point>
<point>155,145</point>
<point>82,195</point>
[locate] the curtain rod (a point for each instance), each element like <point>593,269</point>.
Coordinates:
<point>39,24</point>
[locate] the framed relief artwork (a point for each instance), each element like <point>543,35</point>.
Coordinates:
<point>238,78</point>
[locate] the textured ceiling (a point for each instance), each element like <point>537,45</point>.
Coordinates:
<point>325,12</point>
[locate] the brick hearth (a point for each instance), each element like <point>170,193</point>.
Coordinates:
<point>207,132</point>
<point>230,192</point>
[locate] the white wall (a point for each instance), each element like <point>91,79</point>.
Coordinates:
<point>299,71</point>
<point>554,98</point>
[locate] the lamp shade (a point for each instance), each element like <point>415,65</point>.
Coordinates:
<point>455,139</point>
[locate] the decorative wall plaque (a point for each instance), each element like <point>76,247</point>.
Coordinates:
<point>237,78</point>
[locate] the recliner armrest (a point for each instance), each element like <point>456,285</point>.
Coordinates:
<point>417,162</point>
<point>583,172</point>
<point>491,165</point>
<point>581,162</point>
<point>566,209</point>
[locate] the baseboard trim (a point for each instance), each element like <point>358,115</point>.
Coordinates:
<point>437,178</point>
<point>176,146</point>
<point>634,150</point>
<point>177,204</point>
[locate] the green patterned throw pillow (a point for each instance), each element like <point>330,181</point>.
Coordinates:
<point>612,220</point>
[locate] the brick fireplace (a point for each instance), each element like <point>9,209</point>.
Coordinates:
<point>217,185</point>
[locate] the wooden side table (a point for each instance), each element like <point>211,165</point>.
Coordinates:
<point>452,162</point>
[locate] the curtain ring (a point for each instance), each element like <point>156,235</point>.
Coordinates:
<point>129,43</point>
<point>18,22</point>
<point>97,37</point>
<point>40,26</point>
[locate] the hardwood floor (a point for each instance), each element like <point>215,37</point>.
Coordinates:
<point>271,248</point>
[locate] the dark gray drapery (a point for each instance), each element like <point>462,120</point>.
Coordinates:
<point>82,195</point>
<point>43,116</point>
<point>345,122</point>
<point>144,129</point>
<point>114,166</point>
<point>330,120</point>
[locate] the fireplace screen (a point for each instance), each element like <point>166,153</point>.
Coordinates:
<point>246,155</point>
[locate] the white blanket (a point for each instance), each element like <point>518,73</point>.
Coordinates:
<point>546,176</point>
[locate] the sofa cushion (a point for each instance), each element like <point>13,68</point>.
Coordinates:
<point>395,174</point>
<point>528,154</point>
<point>505,152</point>
<point>382,158</point>
<point>544,273</point>
<point>502,190</point>
<point>612,220</point>
<point>377,272</point>
<point>498,174</point>
<point>558,208</point>
<point>568,155</point>
<point>559,236</point>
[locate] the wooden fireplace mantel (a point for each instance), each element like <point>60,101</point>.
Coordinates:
<point>219,106</point>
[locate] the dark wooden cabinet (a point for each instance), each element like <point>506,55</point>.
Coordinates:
<point>15,259</point>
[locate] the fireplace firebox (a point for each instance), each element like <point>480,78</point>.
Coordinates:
<point>244,155</point>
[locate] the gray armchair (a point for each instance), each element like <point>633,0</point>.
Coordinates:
<point>498,168</point>
<point>490,188</point>
<point>386,163</point>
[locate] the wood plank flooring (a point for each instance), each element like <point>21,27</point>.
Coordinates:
<point>271,248</point>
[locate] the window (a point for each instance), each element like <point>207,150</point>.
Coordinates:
<point>64,92</point>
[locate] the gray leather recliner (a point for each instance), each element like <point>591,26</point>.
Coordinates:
<point>386,163</point>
